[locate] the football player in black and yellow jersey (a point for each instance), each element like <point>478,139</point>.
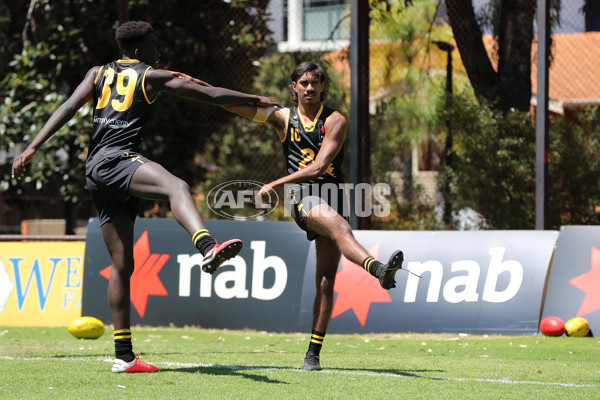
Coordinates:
<point>123,92</point>
<point>312,136</point>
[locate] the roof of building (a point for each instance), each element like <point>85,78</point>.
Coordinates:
<point>574,69</point>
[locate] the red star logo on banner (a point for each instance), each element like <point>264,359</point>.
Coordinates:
<point>356,289</point>
<point>589,283</point>
<point>144,281</point>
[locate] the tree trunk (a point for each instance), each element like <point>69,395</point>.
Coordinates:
<point>509,86</point>
<point>468,36</point>
<point>514,54</point>
<point>591,10</point>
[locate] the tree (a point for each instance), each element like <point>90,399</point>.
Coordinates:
<point>505,79</point>
<point>50,45</point>
<point>408,84</point>
<point>591,11</point>
<point>48,49</point>
<point>574,167</point>
<point>509,84</point>
<point>494,167</point>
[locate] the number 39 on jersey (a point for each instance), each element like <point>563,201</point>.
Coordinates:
<point>124,87</point>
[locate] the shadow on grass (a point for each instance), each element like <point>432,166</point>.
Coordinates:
<point>406,373</point>
<point>245,370</point>
<point>214,369</point>
<point>227,370</point>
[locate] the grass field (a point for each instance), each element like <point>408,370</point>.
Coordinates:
<point>196,363</point>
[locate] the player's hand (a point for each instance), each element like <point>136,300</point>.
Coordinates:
<point>187,77</point>
<point>267,102</point>
<point>263,198</point>
<point>266,189</point>
<point>18,167</point>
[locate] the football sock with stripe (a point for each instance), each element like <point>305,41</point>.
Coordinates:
<point>203,241</point>
<point>316,342</point>
<point>123,347</point>
<point>372,266</point>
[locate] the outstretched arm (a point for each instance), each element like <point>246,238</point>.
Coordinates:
<point>82,94</point>
<point>158,80</point>
<point>276,116</point>
<point>335,126</point>
<point>272,114</point>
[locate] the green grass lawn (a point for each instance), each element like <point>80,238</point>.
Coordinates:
<point>197,363</point>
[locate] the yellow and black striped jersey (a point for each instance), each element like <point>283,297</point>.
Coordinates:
<point>302,141</point>
<point>121,109</point>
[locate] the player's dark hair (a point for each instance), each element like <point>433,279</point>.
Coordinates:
<point>316,69</point>
<point>130,34</point>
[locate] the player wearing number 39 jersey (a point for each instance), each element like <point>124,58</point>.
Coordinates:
<point>120,114</point>
<point>117,175</point>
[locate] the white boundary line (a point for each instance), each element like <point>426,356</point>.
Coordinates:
<point>334,372</point>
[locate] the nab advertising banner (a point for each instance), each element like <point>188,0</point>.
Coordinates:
<point>40,283</point>
<point>574,283</point>
<point>474,282</point>
<point>259,289</point>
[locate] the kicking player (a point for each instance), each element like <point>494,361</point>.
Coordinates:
<point>313,136</point>
<point>117,175</point>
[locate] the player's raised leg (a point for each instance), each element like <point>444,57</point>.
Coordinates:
<point>154,182</point>
<point>322,219</point>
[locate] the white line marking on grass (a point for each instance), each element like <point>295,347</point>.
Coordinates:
<point>103,359</point>
<point>441,378</point>
<point>334,372</point>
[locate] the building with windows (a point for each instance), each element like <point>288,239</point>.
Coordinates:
<point>315,25</point>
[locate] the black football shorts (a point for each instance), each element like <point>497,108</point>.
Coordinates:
<point>108,182</point>
<point>304,197</point>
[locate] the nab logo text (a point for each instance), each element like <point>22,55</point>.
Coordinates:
<point>463,288</point>
<point>229,284</point>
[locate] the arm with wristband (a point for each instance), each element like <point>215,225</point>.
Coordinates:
<point>250,111</point>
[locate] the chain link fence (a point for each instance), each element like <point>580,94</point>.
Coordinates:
<point>253,46</point>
